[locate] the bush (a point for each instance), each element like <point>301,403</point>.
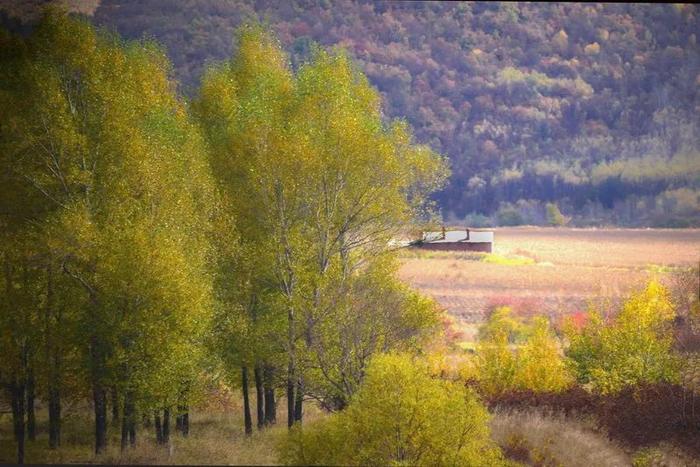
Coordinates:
<point>400,414</point>
<point>635,348</point>
<point>508,215</point>
<point>536,363</point>
<point>554,215</point>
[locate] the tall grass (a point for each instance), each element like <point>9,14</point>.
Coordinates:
<point>535,438</point>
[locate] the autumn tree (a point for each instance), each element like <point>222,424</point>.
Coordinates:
<point>98,137</point>
<point>318,186</point>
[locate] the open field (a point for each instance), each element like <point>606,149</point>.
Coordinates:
<point>548,270</point>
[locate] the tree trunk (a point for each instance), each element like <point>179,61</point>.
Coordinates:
<point>290,393</point>
<point>114,394</point>
<point>270,403</point>
<point>31,416</point>
<point>186,422</point>
<point>53,359</point>
<point>299,401</point>
<point>259,396</point>
<point>182,422</point>
<point>158,428</point>
<point>246,402</point>
<point>99,398</point>
<point>166,426</point>
<point>54,415</point>
<point>99,392</point>
<point>128,421</point>
<point>18,413</point>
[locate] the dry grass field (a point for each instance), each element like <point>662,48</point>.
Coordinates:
<point>548,270</point>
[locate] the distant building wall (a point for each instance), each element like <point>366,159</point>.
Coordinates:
<point>485,247</point>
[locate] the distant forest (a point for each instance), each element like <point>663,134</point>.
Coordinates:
<point>590,110</point>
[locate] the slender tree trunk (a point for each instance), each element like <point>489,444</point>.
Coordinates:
<point>182,422</point>
<point>99,398</point>
<point>290,392</point>
<point>246,402</point>
<point>54,415</point>
<point>166,426</point>
<point>31,395</point>
<point>270,403</point>
<point>259,396</point>
<point>53,359</point>
<point>158,428</point>
<point>132,426</point>
<point>128,421</point>
<point>299,401</point>
<point>114,395</point>
<point>18,414</point>
<point>125,428</point>
<point>99,392</point>
<point>186,422</point>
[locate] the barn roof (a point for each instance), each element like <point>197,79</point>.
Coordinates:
<point>459,236</point>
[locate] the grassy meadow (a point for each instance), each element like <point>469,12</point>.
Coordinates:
<point>552,271</point>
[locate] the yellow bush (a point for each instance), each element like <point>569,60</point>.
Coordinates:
<point>400,415</point>
<point>536,364</point>
<point>634,348</point>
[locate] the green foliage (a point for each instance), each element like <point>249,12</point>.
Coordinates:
<point>317,184</point>
<point>508,215</point>
<point>635,347</point>
<point>401,415</point>
<point>119,199</point>
<point>554,215</point>
<point>515,355</point>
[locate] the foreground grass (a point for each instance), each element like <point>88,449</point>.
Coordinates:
<point>216,437</point>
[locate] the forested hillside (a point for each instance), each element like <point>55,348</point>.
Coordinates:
<point>593,107</point>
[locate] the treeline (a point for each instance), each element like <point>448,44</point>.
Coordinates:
<point>150,244</point>
<point>530,101</point>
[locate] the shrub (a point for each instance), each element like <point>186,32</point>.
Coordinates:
<point>554,215</point>
<point>401,415</point>
<point>535,364</point>
<point>540,366</point>
<point>634,348</point>
<point>508,215</point>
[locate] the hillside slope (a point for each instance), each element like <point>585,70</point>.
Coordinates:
<point>592,106</point>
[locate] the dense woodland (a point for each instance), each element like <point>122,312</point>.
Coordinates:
<point>591,106</point>
<point>594,107</point>
<point>153,247</point>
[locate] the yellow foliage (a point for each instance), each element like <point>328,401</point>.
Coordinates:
<point>636,347</point>
<point>400,416</point>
